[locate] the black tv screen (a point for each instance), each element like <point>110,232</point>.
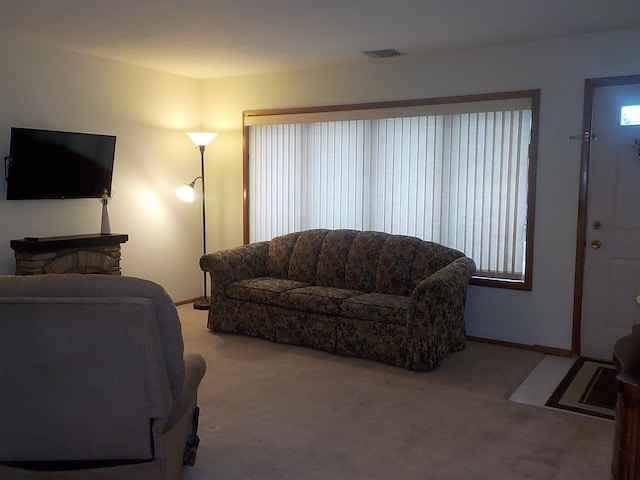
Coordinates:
<point>45,164</point>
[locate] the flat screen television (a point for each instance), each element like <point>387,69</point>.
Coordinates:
<point>45,164</point>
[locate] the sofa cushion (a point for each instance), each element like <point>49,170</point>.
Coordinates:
<point>279,255</point>
<point>378,307</point>
<point>362,261</point>
<point>262,289</point>
<point>395,264</point>
<point>316,299</point>
<point>332,260</point>
<point>304,257</point>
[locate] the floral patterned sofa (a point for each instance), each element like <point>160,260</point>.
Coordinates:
<point>391,298</point>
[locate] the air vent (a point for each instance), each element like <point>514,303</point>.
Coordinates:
<point>387,53</point>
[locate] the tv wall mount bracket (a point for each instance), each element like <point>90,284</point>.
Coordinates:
<point>7,165</point>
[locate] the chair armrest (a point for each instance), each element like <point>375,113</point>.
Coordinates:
<point>239,263</point>
<point>436,326</point>
<point>195,368</point>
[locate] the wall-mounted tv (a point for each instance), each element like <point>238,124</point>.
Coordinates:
<point>45,164</point>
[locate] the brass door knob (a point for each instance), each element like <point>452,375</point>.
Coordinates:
<point>596,244</point>
<point>597,225</point>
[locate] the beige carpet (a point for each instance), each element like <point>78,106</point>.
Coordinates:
<point>271,411</point>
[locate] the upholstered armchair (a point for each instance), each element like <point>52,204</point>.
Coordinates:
<point>93,381</point>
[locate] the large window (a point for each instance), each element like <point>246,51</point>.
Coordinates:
<point>457,171</point>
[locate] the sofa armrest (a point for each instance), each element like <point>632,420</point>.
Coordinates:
<point>436,326</point>
<point>448,282</point>
<point>227,266</point>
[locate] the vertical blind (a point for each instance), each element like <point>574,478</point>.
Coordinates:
<point>459,179</point>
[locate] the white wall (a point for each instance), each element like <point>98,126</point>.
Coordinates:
<point>558,68</point>
<point>149,112</point>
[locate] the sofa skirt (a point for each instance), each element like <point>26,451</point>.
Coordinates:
<point>384,342</point>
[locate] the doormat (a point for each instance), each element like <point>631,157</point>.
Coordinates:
<point>588,388</point>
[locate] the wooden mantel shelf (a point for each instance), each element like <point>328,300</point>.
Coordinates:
<point>49,244</point>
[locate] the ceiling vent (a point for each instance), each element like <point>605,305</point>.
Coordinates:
<point>387,53</point>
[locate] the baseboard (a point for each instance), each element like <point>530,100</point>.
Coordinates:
<point>561,352</point>
<point>191,300</point>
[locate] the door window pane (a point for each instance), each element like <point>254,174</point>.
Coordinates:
<point>630,115</point>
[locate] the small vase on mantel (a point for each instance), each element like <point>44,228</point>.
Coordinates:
<point>105,226</point>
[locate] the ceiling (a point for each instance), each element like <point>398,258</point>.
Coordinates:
<point>221,38</point>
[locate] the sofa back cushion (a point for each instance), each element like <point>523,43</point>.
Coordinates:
<point>395,264</point>
<point>303,266</point>
<point>294,256</point>
<point>357,260</point>
<point>279,257</point>
<point>332,262</point>
<point>362,261</point>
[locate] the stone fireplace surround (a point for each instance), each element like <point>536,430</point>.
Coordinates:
<point>90,253</point>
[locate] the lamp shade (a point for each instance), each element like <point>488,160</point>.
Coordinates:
<point>186,193</point>
<point>201,139</point>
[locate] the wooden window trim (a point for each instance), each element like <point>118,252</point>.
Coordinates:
<point>527,283</point>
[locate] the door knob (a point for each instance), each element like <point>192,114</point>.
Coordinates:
<point>596,244</point>
<point>597,225</point>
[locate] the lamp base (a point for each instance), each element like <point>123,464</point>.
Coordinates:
<point>202,305</point>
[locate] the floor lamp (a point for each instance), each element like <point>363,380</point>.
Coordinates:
<point>186,193</point>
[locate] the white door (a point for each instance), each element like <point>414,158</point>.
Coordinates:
<point>612,261</point>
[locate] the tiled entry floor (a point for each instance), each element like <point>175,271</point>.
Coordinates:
<point>543,380</point>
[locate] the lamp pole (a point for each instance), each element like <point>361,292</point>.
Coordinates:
<point>204,304</point>
<point>201,140</point>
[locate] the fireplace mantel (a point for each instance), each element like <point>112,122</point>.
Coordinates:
<point>88,253</point>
